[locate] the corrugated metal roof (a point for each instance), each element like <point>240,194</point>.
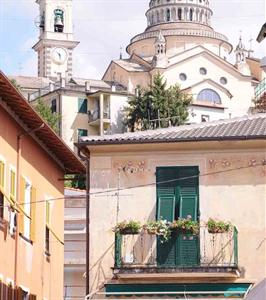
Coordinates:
<point>248,127</point>
<point>45,135</point>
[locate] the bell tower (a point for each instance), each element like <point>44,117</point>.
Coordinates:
<point>56,40</point>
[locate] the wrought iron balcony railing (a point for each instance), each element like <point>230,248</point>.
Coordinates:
<point>205,250</point>
<point>94,115</point>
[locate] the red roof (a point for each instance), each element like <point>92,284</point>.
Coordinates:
<point>46,137</point>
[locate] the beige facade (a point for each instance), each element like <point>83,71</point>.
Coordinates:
<point>86,112</point>
<point>232,187</point>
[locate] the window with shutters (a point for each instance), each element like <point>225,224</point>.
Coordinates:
<point>47,228</point>
<point>28,206</point>
<point>2,182</point>
<point>12,187</point>
<point>82,106</point>
<point>178,197</point>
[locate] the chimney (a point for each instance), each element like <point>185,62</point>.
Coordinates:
<point>87,86</point>
<point>51,86</point>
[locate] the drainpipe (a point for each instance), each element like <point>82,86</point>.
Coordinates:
<point>86,158</point>
<point>19,138</point>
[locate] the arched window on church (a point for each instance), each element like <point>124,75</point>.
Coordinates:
<point>58,20</point>
<point>179,14</point>
<point>209,95</point>
<point>191,14</point>
<point>168,15</point>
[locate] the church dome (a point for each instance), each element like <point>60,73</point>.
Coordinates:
<point>165,11</point>
<point>184,24</point>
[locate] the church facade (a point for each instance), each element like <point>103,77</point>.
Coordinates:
<point>180,43</point>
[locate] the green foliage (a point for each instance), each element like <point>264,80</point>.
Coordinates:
<point>160,228</point>
<point>218,226</point>
<point>130,227</point>
<point>185,226</point>
<point>16,85</point>
<point>52,119</point>
<point>76,182</point>
<point>157,106</point>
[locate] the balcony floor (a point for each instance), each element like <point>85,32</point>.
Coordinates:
<point>176,272</point>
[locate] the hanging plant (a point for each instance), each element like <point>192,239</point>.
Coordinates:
<point>128,227</point>
<point>185,226</point>
<point>160,228</point>
<point>218,226</point>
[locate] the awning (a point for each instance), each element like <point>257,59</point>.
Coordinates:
<point>258,292</point>
<point>192,290</point>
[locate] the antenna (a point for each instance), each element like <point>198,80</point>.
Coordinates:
<point>250,51</point>
<point>121,53</point>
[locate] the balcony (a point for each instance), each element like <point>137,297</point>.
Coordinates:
<point>94,117</point>
<point>260,96</point>
<point>182,256</point>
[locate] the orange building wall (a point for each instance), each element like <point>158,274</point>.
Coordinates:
<point>35,273</point>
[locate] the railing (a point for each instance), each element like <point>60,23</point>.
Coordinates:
<point>183,250</point>
<point>94,115</point>
<point>260,89</point>
<point>189,32</point>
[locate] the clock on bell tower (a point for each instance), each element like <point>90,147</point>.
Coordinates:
<point>56,40</point>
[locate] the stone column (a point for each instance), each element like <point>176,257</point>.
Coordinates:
<point>101,113</point>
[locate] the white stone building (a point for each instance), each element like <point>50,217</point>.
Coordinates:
<point>180,43</point>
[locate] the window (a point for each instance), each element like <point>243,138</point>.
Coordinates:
<point>1,205</point>
<point>58,20</point>
<point>27,217</point>
<point>183,76</point>
<point>209,95</point>
<point>179,14</point>
<point>203,71</point>
<point>191,14</point>
<point>223,80</point>
<point>47,241</point>
<point>12,185</point>
<point>168,15</point>
<point>2,174</point>
<point>82,132</point>
<point>82,106</point>
<point>53,106</point>
<point>205,118</point>
<point>47,228</point>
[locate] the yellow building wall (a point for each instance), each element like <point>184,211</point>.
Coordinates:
<point>36,272</point>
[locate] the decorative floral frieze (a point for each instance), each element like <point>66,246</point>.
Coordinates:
<point>130,167</point>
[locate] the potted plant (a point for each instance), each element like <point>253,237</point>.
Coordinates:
<point>128,227</point>
<point>185,226</point>
<point>218,226</point>
<point>160,228</point>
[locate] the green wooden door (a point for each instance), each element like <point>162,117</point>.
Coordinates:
<point>177,197</point>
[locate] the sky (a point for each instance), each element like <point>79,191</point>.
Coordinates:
<point>104,26</point>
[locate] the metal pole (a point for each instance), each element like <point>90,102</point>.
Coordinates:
<point>87,226</point>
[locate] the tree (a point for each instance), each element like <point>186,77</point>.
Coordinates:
<point>51,118</point>
<point>16,85</point>
<point>157,106</point>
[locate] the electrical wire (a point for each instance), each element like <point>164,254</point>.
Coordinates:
<point>82,196</point>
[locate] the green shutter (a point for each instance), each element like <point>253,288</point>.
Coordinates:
<point>118,250</point>
<point>187,250</point>
<point>166,252</point>
<point>166,204</point>
<point>188,203</point>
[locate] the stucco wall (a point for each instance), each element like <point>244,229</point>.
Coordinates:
<point>34,271</point>
<point>235,195</point>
